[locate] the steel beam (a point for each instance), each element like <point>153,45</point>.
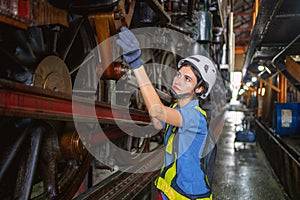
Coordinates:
<point>267,12</point>
<point>25,101</point>
<point>293,68</point>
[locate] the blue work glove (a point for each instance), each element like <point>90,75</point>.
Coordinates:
<point>131,48</point>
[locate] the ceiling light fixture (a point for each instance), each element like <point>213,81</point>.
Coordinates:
<point>261,68</point>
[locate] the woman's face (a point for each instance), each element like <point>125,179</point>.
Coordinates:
<point>184,81</point>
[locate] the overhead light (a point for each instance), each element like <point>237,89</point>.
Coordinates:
<point>296,58</point>
<point>268,70</point>
<point>253,79</point>
<point>241,91</point>
<point>261,91</point>
<point>261,68</point>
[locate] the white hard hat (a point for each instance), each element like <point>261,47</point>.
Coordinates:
<point>205,67</point>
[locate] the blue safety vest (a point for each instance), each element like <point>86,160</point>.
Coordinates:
<point>167,181</point>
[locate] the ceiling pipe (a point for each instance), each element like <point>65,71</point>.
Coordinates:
<point>283,50</point>
<point>255,12</point>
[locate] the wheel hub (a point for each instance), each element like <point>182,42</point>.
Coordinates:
<point>53,74</point>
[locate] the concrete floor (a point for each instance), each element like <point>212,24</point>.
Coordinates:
<point>243,174</point>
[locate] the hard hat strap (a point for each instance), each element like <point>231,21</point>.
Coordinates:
<point>179,96</point>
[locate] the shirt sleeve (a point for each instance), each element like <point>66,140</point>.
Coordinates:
<point>193,121</point>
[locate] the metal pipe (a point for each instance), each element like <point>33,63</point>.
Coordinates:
<point>283,88</point>
<point>283,50</point>
<point>231,45</point>
<point>205,5</point>
<point>179,29</point>
<point>255,11</point>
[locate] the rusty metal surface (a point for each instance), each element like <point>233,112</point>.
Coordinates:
<point>107,24</point>
<point>44,14</point>
<point>292,67</point>
<point>25,101</point>
<point>24,13</point>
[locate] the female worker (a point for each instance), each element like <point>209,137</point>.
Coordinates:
<point>183,175</point>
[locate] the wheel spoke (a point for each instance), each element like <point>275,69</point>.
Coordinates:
<point>71,42</point>
<point>36,39</point>
<point>14,62</point>
<point>29,163</point>
<point>49,163</point>
<point>12,154</point>
<point>44,170</point>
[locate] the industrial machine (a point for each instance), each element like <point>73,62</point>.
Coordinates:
<point>45,43</point>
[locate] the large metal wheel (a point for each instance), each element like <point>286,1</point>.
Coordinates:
<point>166,71</point>
<point>43,159</point>
<point>161,76</point>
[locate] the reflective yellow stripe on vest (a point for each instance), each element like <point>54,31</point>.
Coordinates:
<point>169,146</point>
<point>171,172</point>
<point>171,193</point>
<point>201,110</point>
<point>164,184</point>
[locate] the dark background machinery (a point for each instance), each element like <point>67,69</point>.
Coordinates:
<point>43,45</point>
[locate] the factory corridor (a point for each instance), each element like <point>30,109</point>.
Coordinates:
<point>245,173</point>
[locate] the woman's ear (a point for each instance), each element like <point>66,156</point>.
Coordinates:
<point>199,89</point>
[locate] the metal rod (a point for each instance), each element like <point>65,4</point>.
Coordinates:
<point>24,101</point>
<point>283,50</point>
<point>12,154</point>
<point>27,172</point>
<point>68,47</point>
